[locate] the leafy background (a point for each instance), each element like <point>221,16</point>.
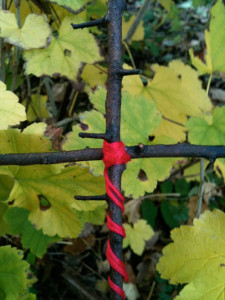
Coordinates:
<point>53,86</point>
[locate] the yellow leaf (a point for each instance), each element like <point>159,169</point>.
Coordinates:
<point>37,108</point>
<point>136,236</point>
<point>175,86</point>
<point>11,112</point>
<point>94,75</point>
<point>34,33</point>
<point>139,33</point>
<point>174,130</point>
<point>197,256</point>
<point>71,4</point>
<point>192,173</point>
<point>215,43</point>
<point>57,184</point>
<point>65,54</point>
<point>167,4</point>
<point>200,289</point>
<point>26,8</point>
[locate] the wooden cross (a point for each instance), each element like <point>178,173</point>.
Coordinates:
<point>113,19</point>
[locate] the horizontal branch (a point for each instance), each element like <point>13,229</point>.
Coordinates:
<point>177,150</point>
<point>88,154</point>
<point>25,159</point>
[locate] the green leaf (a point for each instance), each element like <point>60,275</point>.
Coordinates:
<point>11,112</point>
<point>207,132</point>
<point>64,55</point>
<point>140,118</point>
<point>31,238</point>
<point>97,9</point>
<point>182,187</point>
<point>34,33</point>
<point>174,213</point>
<point>98,99</point>
<point>136,236</point>
<point>149,212</point>
<point>166,187</point>
<point>13,274</point>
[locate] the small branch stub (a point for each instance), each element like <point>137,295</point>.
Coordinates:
<point>89,24</point>
<point>89,198</point>
<point>124,72</point>
<point>101,136</point>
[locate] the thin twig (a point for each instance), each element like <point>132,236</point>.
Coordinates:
<point>16,53</point>
<point>80,287</point>
<point>130,54</point>
<point>137,21</point>
<point>2,47</point>
<point>47,82</point>
<point>151,291</point>
<point>201,187</point>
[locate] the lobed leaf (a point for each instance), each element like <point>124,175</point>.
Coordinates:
<point>136,236</point>
<point>64,55</point>
<point>209,131</point>
<point>215,43</point>
<point>197,255</point>
<point>11,112</point>
<point>13,274</point>
<point>174,86</point>
<point>70,4</point>
<point>139,32</point>
<point>34,33</point>
<point>55,183</point>
<point>31,238</point>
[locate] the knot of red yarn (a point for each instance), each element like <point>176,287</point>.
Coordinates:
<point>115,154</point>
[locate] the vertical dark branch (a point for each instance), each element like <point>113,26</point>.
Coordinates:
<point>113,112</point>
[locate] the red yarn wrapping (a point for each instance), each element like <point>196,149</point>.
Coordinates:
<point>115,154</point>
<point>116,288</point>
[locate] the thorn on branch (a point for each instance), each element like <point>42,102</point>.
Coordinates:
<point>102,136</point>
<point>89,198</point>
<point>124,72</point>
<point>89,24</point>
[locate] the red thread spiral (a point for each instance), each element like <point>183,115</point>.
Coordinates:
<point>115,154</point>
